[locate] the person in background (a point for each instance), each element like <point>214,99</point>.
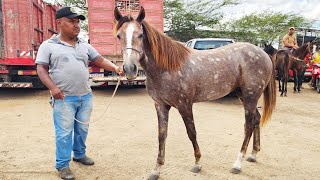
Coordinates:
<point>289,40</point>
<point>315,60</point>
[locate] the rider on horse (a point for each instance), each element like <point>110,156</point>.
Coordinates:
<point>290,41</point>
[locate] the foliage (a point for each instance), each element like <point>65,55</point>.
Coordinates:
<point>81,8</point>
<point>266,26</point>
<point>183,19</point>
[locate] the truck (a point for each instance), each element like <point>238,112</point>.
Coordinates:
<point>24,25</point>
<point>100,28</point>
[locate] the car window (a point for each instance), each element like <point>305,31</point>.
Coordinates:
<point>203,45</point>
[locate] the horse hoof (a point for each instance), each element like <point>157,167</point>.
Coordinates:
<point>251,159</point>
<point>154,175</point>
<point>196,168</point>
<point>281,95</point>
<point>235,170</point>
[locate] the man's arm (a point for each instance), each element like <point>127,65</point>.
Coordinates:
<point>108,65</point>
<point>43,74</point>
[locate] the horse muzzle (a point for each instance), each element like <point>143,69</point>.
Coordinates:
<point>130,71</point>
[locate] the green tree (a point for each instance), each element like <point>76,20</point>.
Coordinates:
<point>183,18</point>
<point>81,8</point>
<point>265,26</point>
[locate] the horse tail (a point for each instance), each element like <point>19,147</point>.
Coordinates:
<point>269,99</point>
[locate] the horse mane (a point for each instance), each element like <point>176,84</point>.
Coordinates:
<point>168,53</point>
<point>269,49</point>
<point>301,51</point>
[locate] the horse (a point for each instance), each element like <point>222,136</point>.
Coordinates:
<point>284,61</point>
<point>178,77</point>
<point>270,50</point>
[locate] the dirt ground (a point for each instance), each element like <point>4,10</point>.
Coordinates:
<point>124,143</point>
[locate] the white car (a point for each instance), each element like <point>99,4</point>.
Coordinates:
<point>208,43</point>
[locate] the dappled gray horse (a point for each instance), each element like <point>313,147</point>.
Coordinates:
<point>178,77</point>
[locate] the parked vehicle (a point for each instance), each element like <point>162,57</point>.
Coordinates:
<point>24,25</point>
<point>101,23</point>
<point>208,43</point>
<point>306,35</point>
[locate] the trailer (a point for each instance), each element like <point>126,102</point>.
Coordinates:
<point>24,25</point>
<point>100,28</point>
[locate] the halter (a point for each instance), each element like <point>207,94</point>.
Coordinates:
<point>297,59</point>
<point>140,52</point>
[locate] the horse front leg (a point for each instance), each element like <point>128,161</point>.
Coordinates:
<point>162,113</point>
<point>300,80</point>
<point>256,138</point>
<point>187,116</point>
<point>250,111</point>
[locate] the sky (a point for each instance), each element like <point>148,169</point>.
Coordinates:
<point>310,9</point>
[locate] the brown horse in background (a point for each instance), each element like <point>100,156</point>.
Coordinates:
<point>284,61</point>
<point>178,77</point>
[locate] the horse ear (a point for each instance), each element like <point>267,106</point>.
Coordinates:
<point>141,15</point>
<point>117,14</point>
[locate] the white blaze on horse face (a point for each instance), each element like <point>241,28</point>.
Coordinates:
<point>129,33</point>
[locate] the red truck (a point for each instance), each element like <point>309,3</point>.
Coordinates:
<point>101,23</point>
<point>24,25</point>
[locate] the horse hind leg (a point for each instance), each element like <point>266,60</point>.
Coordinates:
<point>187,116</point>
<point>250,111</point>
<point>285,83</point>
<point>256,138</point>
<point>279,79</point>
<point>283,89</point>
<point>162,113</point>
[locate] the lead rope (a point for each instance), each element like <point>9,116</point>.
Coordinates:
<point>114,92</point>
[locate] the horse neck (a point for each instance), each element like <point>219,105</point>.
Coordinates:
<point>148,62</point>
<point>301,52</point>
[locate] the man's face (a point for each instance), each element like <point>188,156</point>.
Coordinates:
<point>69,27</point>
<point>291,31</point>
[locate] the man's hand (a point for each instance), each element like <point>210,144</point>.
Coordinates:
<point>295,47</point>
<point>119,71</point>
<point>57,93</point>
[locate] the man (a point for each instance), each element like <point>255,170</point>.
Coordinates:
<point>289,41</point>
<point>62,63</point>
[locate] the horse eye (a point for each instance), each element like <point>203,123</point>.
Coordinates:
<point>140,36</point>
<point>118,36</point>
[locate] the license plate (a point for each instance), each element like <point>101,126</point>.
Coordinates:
<point>96,75</point>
